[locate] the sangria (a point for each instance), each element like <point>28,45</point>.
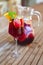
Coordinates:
<point>20,25</point>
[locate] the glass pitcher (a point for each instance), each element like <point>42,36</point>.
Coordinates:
<point>20,26</point>
<point>26,14</point>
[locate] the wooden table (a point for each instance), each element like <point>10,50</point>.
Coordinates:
<point>30,55</point>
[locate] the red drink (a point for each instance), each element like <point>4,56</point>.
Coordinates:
<point>26,35</point>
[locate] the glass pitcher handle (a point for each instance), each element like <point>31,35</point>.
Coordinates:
<point>38,14</point>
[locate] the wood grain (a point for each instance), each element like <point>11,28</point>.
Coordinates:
<point>30,55</point>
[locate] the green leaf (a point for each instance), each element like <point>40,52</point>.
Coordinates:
<point>11,14</point>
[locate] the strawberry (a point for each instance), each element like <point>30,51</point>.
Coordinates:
<point>17,23</point>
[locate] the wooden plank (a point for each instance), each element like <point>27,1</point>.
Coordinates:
<point>22,61</point>
<point>6,60</point>
<point>3,56</point>
<point>6,44</point>
<point>37,57</point>
<point>30,59</point>
<point>13,58</point>
<point>7,53</point>
<point>22,55</point>
<point>41,60</point>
